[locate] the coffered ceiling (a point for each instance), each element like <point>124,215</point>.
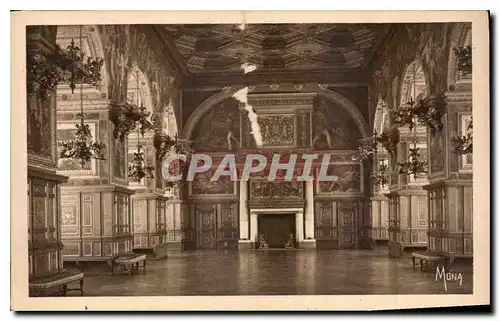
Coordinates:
<point>212,48</point>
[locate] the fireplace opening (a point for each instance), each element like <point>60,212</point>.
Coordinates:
<point>276,231</point>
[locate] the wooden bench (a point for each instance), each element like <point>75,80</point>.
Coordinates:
<point>63,278</point>
<point>129,262</point>
<point>426,258</point>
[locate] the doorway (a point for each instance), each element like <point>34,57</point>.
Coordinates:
<point>276,229</point>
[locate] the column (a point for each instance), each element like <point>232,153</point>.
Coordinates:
<point>309,241</point>
<point>149,201</point>
<point>254,229</point>
<point>173,224</point>
<point>309,218</point>
<point>380,217</point>
<point>299,228</point>
<point>450,177</point>
<point>97,199</point>
<point>243,210</point>
<point>408,209</point>
<point>44,212</point>
<point>245,241</point>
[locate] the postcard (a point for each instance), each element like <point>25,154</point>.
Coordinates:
<point>250,160</point>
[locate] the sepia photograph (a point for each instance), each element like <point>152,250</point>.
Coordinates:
<point>228,162</point>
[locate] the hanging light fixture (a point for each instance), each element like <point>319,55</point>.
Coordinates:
<point>413,165</point>
<point>81,146</point>
<point>414,112</point>
<point>137,169</point>
<point>463,145</point>
<point>380,177</point>
<point>67,65</point>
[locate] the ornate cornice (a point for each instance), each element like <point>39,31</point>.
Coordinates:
<point>349,76</point>
<point>302,100</point>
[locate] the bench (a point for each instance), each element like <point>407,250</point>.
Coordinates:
<point>426,258</point>
<point>129,262</point>
<point>63,278</point>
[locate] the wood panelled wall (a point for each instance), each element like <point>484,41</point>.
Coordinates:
<point>215,224</point>
<point>337,223</point>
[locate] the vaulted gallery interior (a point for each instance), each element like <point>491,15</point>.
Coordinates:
<point>390,103</point>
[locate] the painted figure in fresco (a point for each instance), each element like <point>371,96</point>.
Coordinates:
<point>231,138</point>
<point>322,133</point>
<point>346,182</point>
<point>437,155</point>
<point>331,127</point>
<point>203,185</point>
<point>39,126</point>
<point>119,159</point>
<point>219,129</point>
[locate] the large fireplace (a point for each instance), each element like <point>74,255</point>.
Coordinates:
<point>277,230</point>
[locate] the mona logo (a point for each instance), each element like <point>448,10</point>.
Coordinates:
<point>448,276</point>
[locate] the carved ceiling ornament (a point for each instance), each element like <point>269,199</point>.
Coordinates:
<point>219,47</point>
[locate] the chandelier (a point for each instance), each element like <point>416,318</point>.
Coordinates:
<point>463,145</point>
<point>464,59</point>
<point>413,165</point>
<point>388,139</point>
<point>81,146</point>
<point>381,175</point>
<point>137,169</point>
<point>414,112</point>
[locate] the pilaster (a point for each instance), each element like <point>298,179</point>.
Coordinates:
<point>309,240</point>
<point>43,183</point>
<point>380,217</point>
<point>450,187</point>
<point>408,219</point>
<point>245,241</point>
<point>149,204</point>
<point>96,201</point>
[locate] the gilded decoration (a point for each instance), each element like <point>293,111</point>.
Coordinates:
<point>464,145</point>
<point>437,152</point>
<point>39,125</point>
<point>348,179</point>
<point>202,185</point>
<point>305,129</point>
<point>266,189</point>
<point>219,129</point>
<point>277,130</point>
<point>333,127</point>
<point>119,159</point>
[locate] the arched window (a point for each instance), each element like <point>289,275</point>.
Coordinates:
<point>139,94</point>
<point>381,159</point>
<point>413,91</point>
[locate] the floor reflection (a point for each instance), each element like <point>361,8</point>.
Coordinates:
<point>276,272</point>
